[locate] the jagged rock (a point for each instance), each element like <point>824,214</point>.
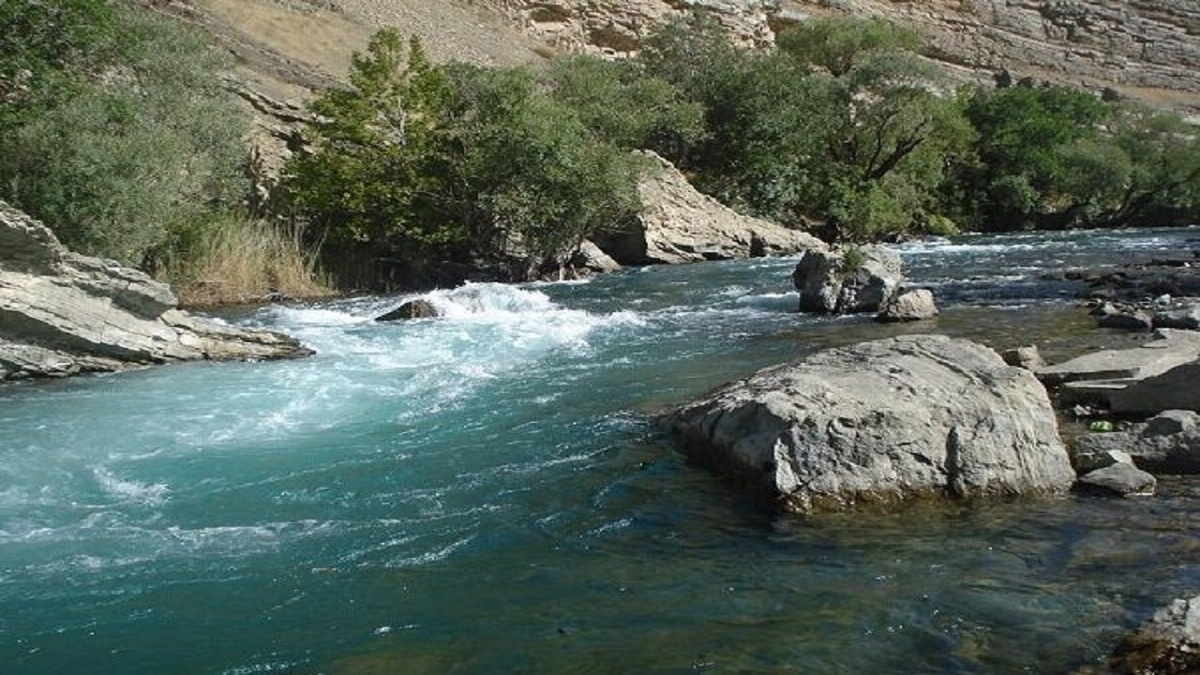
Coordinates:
<point>881,422</point>
<point>678,224</point>
<point>914,305</point>
<point>1125,318</point>
<point>617,28</point>
<point>847,281</point>
<point>413,309</point>
<point>1027,357</point>
<point>1168,443</point>
<point>1085,459</point>
<point>590,257</point>
<point>63,313</point>
<point>1167,643</point>
<point>1120,479</point>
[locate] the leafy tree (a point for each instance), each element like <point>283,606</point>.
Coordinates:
<point>625,106</point>
<point>840,46</point>
<point>118,149</point>
<point>374,173</point>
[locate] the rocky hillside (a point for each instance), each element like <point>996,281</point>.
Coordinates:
<point>1145,49</point>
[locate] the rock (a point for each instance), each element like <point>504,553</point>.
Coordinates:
<point>1168,443</point>
<point>1167,643</point>
<point>63,313</point>
<point>1091,460</point>
<point>678,224</point>
<point>1150,378</point>
<point>881,422</point>
<point>1027,357</point>
<point>413,309</point>
<point>847,281</point>
<point>914,305</point>
<point>590,257</point>
<point>1174,389</point>
<point>1110,316</point>
<point>1186,317</point>
<point>1119,478</point>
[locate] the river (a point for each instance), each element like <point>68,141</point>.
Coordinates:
<point>488,493</point>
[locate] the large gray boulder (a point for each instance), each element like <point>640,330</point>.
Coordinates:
<point>63,313</point>
<point>882,422</point>
<point>848,280</point>
<point>913,305</point>
<point>678,224</point>
<point>1168,643</point>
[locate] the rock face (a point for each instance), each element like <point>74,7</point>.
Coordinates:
<point>847,281</point>
<point>678,224</point>
<point>1168,443</point>
<point>62,313</point>
<point>1148,49</point>
<point>1167,643</point>
<point>617,28</point>
<point>881,422</point>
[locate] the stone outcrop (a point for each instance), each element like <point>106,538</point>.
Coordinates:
<point>882,422</point>
<point>1167,643</point>
<point>1168,443</point>
<point>1159,375</point>
<point>1146,49</point>
<point>63,313</point>
<point>847,281</point>
<point>678,224</point>
<point>617,28</point>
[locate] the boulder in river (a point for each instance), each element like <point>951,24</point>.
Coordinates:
<point>848,280</point>
<point>62,313</point>
<point>1167,643</point>
<point>1121,479</point>
<point>882,422</point>
<point>413,309</point>
<point>913,305</point>
<point>678,224</point>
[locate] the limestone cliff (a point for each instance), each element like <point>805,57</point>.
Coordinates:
<point>1146,49</point>
<point>63,313</point>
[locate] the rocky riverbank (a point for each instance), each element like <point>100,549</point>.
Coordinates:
<point>62,313</point>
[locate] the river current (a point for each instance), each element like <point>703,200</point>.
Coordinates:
<point>488,493</point>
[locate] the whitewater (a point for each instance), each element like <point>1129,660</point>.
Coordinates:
<point>488,492</point>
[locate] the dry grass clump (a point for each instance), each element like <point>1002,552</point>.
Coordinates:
<point>238,261</point>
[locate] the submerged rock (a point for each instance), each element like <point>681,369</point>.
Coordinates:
<point>678,224</point>
<point>1167,643</point>
<point>413,309</point>
<point>882,422</point>
<point>847,281</point>
<point>62,313</point>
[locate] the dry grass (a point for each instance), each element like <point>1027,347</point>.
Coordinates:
<point>241,261</point>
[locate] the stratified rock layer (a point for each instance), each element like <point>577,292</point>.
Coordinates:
<point>63,313</point>
<point>882,422</point>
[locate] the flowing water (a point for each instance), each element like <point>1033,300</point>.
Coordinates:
<point>488,493</point>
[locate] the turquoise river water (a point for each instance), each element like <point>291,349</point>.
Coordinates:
<point>488,493</point>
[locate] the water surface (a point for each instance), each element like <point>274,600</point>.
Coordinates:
<point>488,493</point>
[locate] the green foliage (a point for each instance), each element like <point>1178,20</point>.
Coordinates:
<point>423,164</point>
<point>625,106</point>
<point>841,46</point>
<point>125,146</point>
<point>378,152</point>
